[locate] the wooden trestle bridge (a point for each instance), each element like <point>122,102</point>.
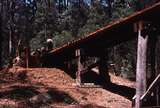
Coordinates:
<point>144,25</point>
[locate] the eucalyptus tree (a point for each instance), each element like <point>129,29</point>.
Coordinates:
<point>16,16</point>
<point>7,9</point>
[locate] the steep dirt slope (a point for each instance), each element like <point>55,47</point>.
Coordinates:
<point>50,87</point>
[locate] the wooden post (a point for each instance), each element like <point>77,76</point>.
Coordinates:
<point>152,45</point>
<point>1,42</point>
<point>157,69</point>
<point>141,65</point>
<point>103,68</point>
<point>79,68</point>
<point>27,57</point>
<point>67,65</point>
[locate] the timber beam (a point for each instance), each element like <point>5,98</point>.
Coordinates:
<point>141,64</point>
<point>145,31</point>
<point>157,66</point>
<point>79,67</point>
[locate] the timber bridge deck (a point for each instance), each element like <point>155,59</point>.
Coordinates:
<point>141,25</point>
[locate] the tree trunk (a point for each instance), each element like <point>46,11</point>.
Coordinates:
<point>117,59</point>
<point>141,66</point>
<point>1,34</point>
<point>65,4</point>
<point>109,8</point>
<point>0,42</point>
<point>60,6</point>
<point>10,42</point>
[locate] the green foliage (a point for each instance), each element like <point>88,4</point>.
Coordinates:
<point>38,41</point>
<point>34,22</point>
<point>62,38</point>
<point>74,22</point>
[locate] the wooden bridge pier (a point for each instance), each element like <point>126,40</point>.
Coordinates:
<point>154,42</point>
<point>142,89</point>
<point>141,64</point>
<point>79,67</point>
<point>102,66</point>
<point>157,68</point>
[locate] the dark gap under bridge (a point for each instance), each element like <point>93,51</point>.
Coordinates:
<point>144,25</point>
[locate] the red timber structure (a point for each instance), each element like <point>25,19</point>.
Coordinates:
<point>144,25</point>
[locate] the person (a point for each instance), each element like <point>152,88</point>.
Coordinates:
<point>17,61</point>
<point>49,44</point>
<point>35,58</point>
<point>43,55</point>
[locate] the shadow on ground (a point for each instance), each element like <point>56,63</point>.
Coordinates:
<point>7,76</point>
<point>31,97</point>
<point>19,92</point>
<point>92,77</point>
<point>60,96</point>
<point>124,91</point>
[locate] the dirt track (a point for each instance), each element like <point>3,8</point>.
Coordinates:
<point>60,91</point>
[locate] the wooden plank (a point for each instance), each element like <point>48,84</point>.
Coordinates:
<point>135,26</point>
<point>89,85</point>
<point>141,66</point>
<point>153,84</point>
<point>90,67</point>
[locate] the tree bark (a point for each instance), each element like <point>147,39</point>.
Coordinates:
<point>141,66</point>
<point>109,8</point>
<point>0,34</point>
<point>10,41</point>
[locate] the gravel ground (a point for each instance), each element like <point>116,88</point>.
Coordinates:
<point>53,88</point>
